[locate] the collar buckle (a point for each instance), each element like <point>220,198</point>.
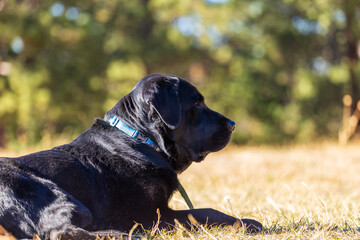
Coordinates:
<point>116,122</point>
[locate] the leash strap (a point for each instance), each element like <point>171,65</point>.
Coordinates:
<point>185,196</point>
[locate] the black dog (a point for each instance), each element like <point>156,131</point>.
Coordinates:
<point>118,172</point>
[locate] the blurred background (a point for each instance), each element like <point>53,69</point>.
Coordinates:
<point>279,68</point>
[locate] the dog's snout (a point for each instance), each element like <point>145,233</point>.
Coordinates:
<point>231,125</point>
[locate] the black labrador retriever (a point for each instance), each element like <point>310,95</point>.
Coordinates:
<point>120,171</point>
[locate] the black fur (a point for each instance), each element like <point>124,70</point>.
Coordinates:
<point>105,180</point>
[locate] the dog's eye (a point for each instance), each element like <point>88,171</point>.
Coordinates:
<point>198,103</point>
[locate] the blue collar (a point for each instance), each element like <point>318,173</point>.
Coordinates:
<point>136,134</point>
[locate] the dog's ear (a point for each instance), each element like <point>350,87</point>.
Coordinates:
<point>162,96</point>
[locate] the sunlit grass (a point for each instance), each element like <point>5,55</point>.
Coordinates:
<point>297,192</point>
<point>301,192</point>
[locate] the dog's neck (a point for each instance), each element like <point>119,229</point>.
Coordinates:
<point>116,122</point>
<point>147,121</point>
<point>136,134</point>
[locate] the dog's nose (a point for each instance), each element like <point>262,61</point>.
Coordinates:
<point>231,125</point>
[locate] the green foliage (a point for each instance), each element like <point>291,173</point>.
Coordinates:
<point>278,68</point>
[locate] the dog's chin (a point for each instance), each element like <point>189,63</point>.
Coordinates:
<point>217,145</point>
<point>198,156</point>
<point>201,156</point>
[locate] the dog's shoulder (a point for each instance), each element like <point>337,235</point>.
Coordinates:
<point>120,155</point>
<point>107,145</point>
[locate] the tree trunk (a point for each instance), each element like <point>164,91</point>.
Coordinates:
<point>350,7</point>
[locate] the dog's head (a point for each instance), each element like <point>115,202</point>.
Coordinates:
<point>173,113</point>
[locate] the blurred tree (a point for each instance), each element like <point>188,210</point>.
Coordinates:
<point>279,68</point>
<point>352,35</point>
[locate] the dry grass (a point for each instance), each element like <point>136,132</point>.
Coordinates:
<point>299,192</point>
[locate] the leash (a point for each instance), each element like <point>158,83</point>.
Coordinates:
<point>185,196</point>
<point>136,134</point>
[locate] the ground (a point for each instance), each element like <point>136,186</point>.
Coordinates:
<point>298,192</point>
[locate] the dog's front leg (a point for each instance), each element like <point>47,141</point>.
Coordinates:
<point>207,216</point>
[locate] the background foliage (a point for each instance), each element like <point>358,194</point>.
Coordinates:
<point>279,68</point>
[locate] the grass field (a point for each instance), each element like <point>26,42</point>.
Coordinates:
<point>298,192</point>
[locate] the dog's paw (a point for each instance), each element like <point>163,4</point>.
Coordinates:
<point>71,234</point>
<point>250,225</point>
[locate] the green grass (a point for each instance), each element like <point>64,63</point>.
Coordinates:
<point>297,192</point>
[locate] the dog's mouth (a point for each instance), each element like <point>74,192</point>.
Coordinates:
<point>200,156</point>
<point>219,140</point>
<point>221,136</point>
